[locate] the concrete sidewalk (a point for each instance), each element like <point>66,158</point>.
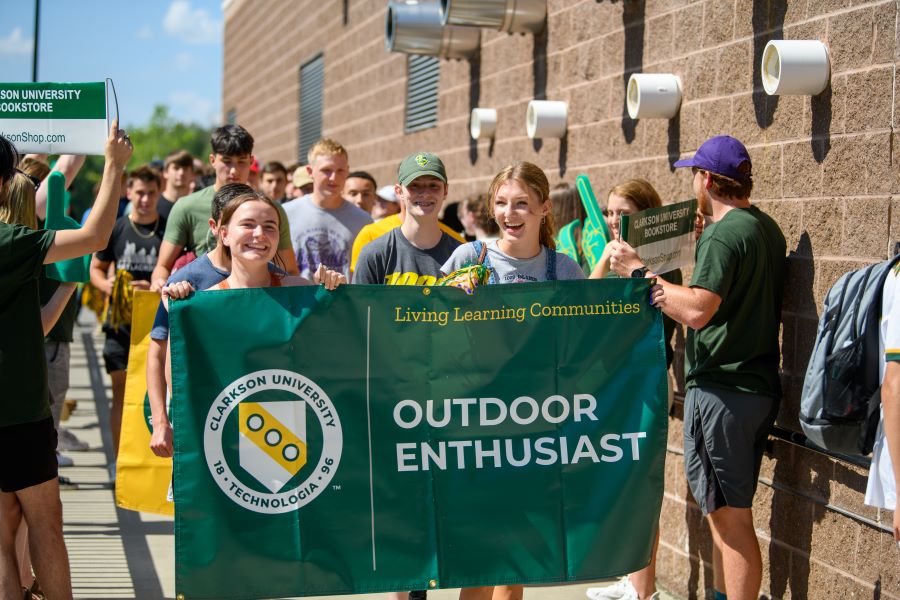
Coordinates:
<point>118,553</point>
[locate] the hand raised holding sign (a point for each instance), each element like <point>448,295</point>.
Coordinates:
<point>623,259</point>
<point>118,146</point>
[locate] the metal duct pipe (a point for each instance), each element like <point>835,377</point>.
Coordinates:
<point>416,28</point>
<point>512,16</point>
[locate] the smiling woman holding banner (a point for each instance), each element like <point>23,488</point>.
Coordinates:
<point>519,201</point>
<point>249,229</point>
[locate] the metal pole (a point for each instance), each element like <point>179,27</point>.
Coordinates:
<point>37,28</point>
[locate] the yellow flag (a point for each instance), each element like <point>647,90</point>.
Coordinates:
<point>142,478</point>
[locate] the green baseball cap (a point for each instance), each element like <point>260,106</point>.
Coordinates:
<point>421,163</point>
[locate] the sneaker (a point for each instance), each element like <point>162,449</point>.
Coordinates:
<point>69,443</point>
<point>620,590</point>
<point>64,461</point>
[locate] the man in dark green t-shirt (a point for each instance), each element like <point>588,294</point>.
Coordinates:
<point>28,483</point>
<point>733,311</point>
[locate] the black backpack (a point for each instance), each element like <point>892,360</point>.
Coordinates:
<point>839,407</point>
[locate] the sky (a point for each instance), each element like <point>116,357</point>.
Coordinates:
<point>156,51</point>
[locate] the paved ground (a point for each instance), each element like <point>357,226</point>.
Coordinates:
<point>119,553</point>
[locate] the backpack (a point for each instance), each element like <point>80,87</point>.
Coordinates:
<point>839,406</point>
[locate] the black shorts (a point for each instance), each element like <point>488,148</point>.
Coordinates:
<point>725,433</point>
<point>30,455</point>
<point>115,350</point>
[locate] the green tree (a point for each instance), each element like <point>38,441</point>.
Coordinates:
<point>162,135</point>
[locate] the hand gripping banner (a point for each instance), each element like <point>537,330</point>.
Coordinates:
<point>381,438</point>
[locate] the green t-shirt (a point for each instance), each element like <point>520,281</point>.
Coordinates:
<point>188,223</point>
<point>23,369</point>
<point>741,258</point>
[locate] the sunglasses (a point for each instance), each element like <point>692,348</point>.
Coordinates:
<point>34,180</point>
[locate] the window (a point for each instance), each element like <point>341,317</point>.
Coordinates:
<point>312,81</point>
<point>231,117</point>
<point>423,75</point>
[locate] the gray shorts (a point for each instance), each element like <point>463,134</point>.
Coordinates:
<point>57,354</point>
<point>725,434</point>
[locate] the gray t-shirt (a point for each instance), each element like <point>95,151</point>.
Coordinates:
<point>392,260</point>
<point>514,270</point>
<point>323,236</point>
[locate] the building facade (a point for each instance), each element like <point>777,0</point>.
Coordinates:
<point>823,168</point>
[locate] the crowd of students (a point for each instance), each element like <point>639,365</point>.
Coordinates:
<point>320,223</point>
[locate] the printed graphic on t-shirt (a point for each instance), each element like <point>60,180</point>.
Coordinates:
<point>135,261</point>
<point>409,279</point>
<point>322,246</point>
<point>516,277</point>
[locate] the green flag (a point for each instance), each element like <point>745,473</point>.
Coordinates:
<point>388,438</point>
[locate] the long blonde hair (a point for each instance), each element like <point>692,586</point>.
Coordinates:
<point>532,177</point>
<point>17,206</point>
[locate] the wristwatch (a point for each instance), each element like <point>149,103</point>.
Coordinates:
<point>640,273</point>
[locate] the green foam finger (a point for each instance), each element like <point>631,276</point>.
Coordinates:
<point>565,241</point>
<point>75,270</point>
<point>595,234</point>
<point>591,206</point>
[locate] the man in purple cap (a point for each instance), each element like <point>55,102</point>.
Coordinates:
<point>732,308</point>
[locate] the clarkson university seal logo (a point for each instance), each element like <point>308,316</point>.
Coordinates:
<point>272,441</point>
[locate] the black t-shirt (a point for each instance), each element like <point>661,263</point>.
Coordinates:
<point>134,247</point>
<point>391,259</point>
<point>164,207</point>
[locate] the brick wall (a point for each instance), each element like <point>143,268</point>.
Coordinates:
<point>824,168</point>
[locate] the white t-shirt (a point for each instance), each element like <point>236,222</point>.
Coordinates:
<point>322,236</point>
<point>881,490</point>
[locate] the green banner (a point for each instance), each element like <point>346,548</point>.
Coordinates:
<point>391,438</point>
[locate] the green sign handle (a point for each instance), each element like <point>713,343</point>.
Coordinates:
<point>75,270</point>
<point>623,226</point>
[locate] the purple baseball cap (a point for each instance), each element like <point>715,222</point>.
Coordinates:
<point>722,155</point>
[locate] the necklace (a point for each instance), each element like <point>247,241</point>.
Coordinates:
<point>137,231</point>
